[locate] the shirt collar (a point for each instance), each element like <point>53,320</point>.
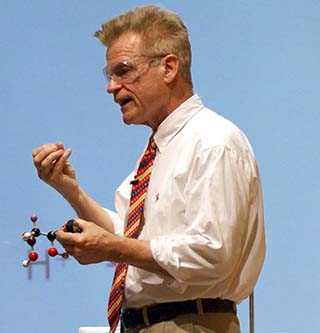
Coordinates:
<point>176,121</point>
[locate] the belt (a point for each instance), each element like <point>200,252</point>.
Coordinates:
<point>153,314</point>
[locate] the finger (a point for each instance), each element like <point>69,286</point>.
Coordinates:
<point>42,149</point>
<point>37,150</point>
<point>47,164</point>
<point>69,249</point>
<point>60,162</point>
<point>82,224</point>
<point>40,154</point>
<point>67,238</point>
<point>60,145</point>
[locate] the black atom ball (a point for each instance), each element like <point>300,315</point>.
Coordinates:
<point>51,236</point>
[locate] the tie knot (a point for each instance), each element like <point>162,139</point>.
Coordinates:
<point>152,147</point>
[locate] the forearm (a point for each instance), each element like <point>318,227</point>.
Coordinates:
<point>94,245</point>
<point>88,209</point>
<point>137,253</point>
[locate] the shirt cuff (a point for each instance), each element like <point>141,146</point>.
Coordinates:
<point>164,256</point>
<point>117,222</point>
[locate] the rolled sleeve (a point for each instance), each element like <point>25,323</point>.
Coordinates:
<point>117,222</point>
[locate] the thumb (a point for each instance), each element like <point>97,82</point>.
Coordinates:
<point>79,225</point>
<point>73,226</point>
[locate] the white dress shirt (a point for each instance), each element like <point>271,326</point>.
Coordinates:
<point>203,212</point>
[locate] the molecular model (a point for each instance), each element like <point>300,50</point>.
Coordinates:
<point>30,238</point>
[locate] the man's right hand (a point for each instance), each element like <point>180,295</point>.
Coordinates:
<point>51,162</point>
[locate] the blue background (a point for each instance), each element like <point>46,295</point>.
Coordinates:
<point>255,62</point>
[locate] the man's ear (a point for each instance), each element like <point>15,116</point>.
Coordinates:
<point>171,66</point>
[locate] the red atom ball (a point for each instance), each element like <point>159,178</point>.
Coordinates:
<point>33,256</point>
<point>52,251</point>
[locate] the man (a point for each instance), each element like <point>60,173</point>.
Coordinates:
<point>199,230</point>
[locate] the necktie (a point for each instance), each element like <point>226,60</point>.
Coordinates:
<point>135,216</point>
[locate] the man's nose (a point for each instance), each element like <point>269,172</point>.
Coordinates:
<point>113,86</point>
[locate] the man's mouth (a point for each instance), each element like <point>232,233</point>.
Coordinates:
<point>124,101</point>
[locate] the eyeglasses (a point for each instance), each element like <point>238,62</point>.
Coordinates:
<point>129,71</point>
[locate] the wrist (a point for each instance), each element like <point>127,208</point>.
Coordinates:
<point>131,251</point>
<point>75,196</point>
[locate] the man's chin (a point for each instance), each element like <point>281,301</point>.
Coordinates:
<point>129,120</point>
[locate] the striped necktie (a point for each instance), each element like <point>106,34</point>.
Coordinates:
<point>135,217</point>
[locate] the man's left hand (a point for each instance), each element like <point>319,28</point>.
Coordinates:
<point>93,245</point>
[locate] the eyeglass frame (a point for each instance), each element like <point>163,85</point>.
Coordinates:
<point>131,67</point>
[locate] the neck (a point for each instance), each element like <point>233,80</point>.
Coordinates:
<point>179,97</point>
<point>175,98</point>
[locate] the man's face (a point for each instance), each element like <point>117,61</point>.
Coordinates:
<point>136,83</point>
